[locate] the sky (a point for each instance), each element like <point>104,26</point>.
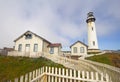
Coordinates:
<point>60,21</point>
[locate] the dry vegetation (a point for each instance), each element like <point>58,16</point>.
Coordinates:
<point>108,58</point>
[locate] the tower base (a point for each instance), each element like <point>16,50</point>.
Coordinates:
<point>93,51</point>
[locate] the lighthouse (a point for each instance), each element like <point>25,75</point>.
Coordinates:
<point>92,37</point>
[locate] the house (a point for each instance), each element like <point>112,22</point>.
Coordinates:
<point>55,49</point>
<point>78,49</point>
<point>32,45</point>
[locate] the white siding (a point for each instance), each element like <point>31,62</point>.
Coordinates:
<point>57,50</point>
<point>34,40</point>
<point>78,45</point>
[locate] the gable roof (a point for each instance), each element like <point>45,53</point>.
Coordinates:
<point>54,45</point>
<point>32,33</point>
<point>79,42</point>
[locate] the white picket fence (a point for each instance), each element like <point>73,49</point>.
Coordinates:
<point>86,65</point>
<point>53,74</point>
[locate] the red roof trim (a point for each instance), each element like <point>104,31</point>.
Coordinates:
<point>54,45</point>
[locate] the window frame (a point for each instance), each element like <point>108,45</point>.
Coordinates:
<point>93,43</point>
<point>20,47</point>
<point>82,49</point>
<point>74,49</point>
<point>35,48</point>
<point>92,29</point>
<point>28,36</point>
<point>51,50</point>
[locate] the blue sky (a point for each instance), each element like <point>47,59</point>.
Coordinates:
<point>62,21</point>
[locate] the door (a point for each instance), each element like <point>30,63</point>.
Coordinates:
<point>27,49</point>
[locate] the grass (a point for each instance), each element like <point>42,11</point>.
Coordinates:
<point>12,67</point>
<point>108,58</point>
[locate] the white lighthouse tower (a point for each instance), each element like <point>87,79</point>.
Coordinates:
<point>92,37</point>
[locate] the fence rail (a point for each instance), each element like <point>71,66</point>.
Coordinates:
<point>87,65</point>
<point>53,74</point>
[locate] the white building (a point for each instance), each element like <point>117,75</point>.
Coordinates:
<point>55,48</point>
<point>31,45</point>
<point>92,36</point>
<point>78,49</point>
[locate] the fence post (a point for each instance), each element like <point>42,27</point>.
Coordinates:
<point>79,75</point>
<point>26,78</point>
<point>16,79</point>
<point>70,75</point>
<point>74,75</point>
<point>66,75</point>
<point>92,76</point>
<point>102,76</point>
<point>46,69</point>
<point>83,75</point>
<point>107,78</point>
<point>63,74</point>
<point>42,78</point>
<point>97,78</point>
<point>56,74</point>
<point>59,74</point>
<point>49,73</point>
<point>52,77</point>
<point>87,74</point>
<point>33,75</point>
<point>21,78</point>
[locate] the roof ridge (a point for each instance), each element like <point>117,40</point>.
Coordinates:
<point>32,33</point>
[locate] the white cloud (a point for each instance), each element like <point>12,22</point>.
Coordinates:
<point>57,21</point>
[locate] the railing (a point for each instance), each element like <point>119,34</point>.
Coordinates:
<point>70,63</point>
<point>53,74</point>
<point>87,65</point>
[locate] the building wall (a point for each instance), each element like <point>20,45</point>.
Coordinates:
<point>92,37</point>
<point>32,41</point>
<point>45,46</point>
<point>78,45</point>
<point>57,51</point>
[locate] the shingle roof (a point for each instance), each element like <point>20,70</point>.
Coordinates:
<point>32,33</point>
<point>79,42</point>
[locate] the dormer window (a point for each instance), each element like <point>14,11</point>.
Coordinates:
<point>28,36</point>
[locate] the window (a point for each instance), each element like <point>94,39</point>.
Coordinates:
<point>92,28</point>
<point>28,36</point>
<point>35,47</point>
<point>75,49</point>
<point>93,43</point>
<point>81,49</point>
<point>20,47</point>
<point>51,50</point>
